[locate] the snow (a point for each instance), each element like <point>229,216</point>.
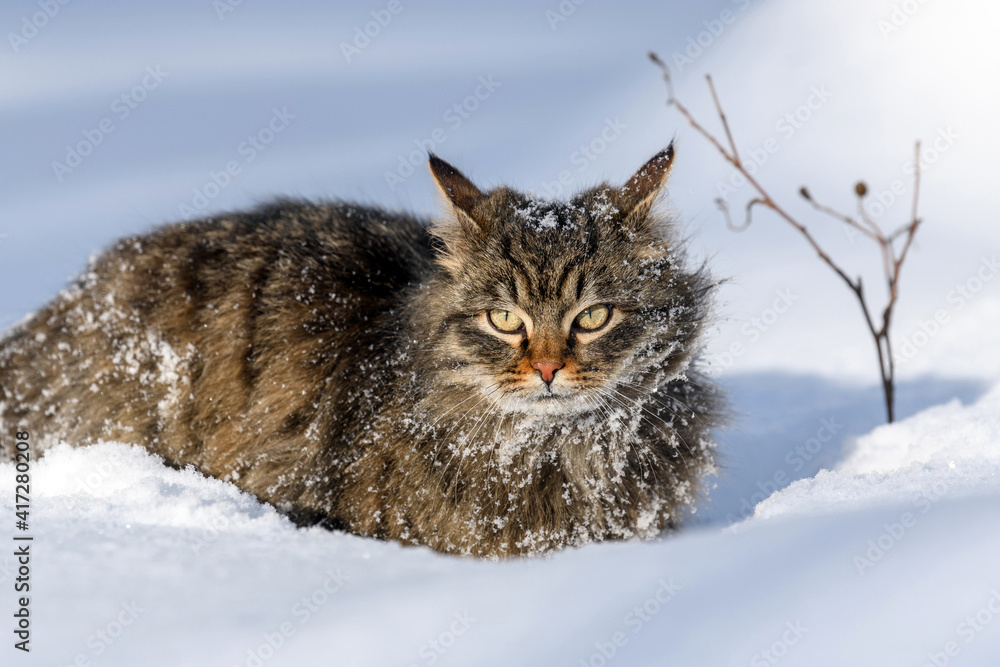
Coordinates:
<point>948,450</point>
<point>949,432</point>
<point>213,577</point>
<point>827,540</point>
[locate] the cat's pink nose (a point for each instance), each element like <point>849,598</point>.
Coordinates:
<point>547,369</point>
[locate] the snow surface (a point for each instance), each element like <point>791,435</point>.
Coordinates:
<point>948,450</point>
<point>881,561</point>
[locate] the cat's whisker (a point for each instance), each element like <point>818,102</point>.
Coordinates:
<point>601,406</point>
<point>494,442</point>
<point>458,423</point>
<point>511,415</point>
<point>607,409</point>
<point>677,453</point>
<point>647,457</point>
<point>465,400</point>
<point>470,445</point>
<point>637,402</point>
<point>692,413</point>
<point>626,401</point>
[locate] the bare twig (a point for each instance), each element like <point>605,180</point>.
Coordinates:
<point>722,115</point>
<point>846,219</point>
<point>868,227</point>
<point>724,207</point>
<point>690,119</point>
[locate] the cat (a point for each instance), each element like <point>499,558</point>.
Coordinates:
<point>513,377</point>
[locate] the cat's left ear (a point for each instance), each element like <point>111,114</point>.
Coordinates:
<point>640,192</point>
<point>464,198</point>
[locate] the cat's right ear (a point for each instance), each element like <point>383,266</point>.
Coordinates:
<point>644,187</point>
<point>465,223</point>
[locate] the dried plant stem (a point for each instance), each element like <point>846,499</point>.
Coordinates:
<point>863,224</point>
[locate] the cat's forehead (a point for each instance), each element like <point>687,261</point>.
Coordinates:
<point>548,215</point>
<point>541,215</point>
<point>557,252</point>
<point>543,226</point>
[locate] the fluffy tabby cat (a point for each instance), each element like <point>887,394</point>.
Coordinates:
<point>512,378</point>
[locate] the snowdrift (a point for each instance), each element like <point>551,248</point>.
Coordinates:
<point>889,558</point>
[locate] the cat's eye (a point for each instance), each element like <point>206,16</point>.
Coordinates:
<point>593,318</point>
<point>505,321</point>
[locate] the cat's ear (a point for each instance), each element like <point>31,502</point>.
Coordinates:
<point>638,195</point>
<point>462,197</point>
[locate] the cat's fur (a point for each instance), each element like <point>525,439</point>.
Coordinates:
<point>336,360</point>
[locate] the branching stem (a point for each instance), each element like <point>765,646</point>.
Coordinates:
<point>864,224</point>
